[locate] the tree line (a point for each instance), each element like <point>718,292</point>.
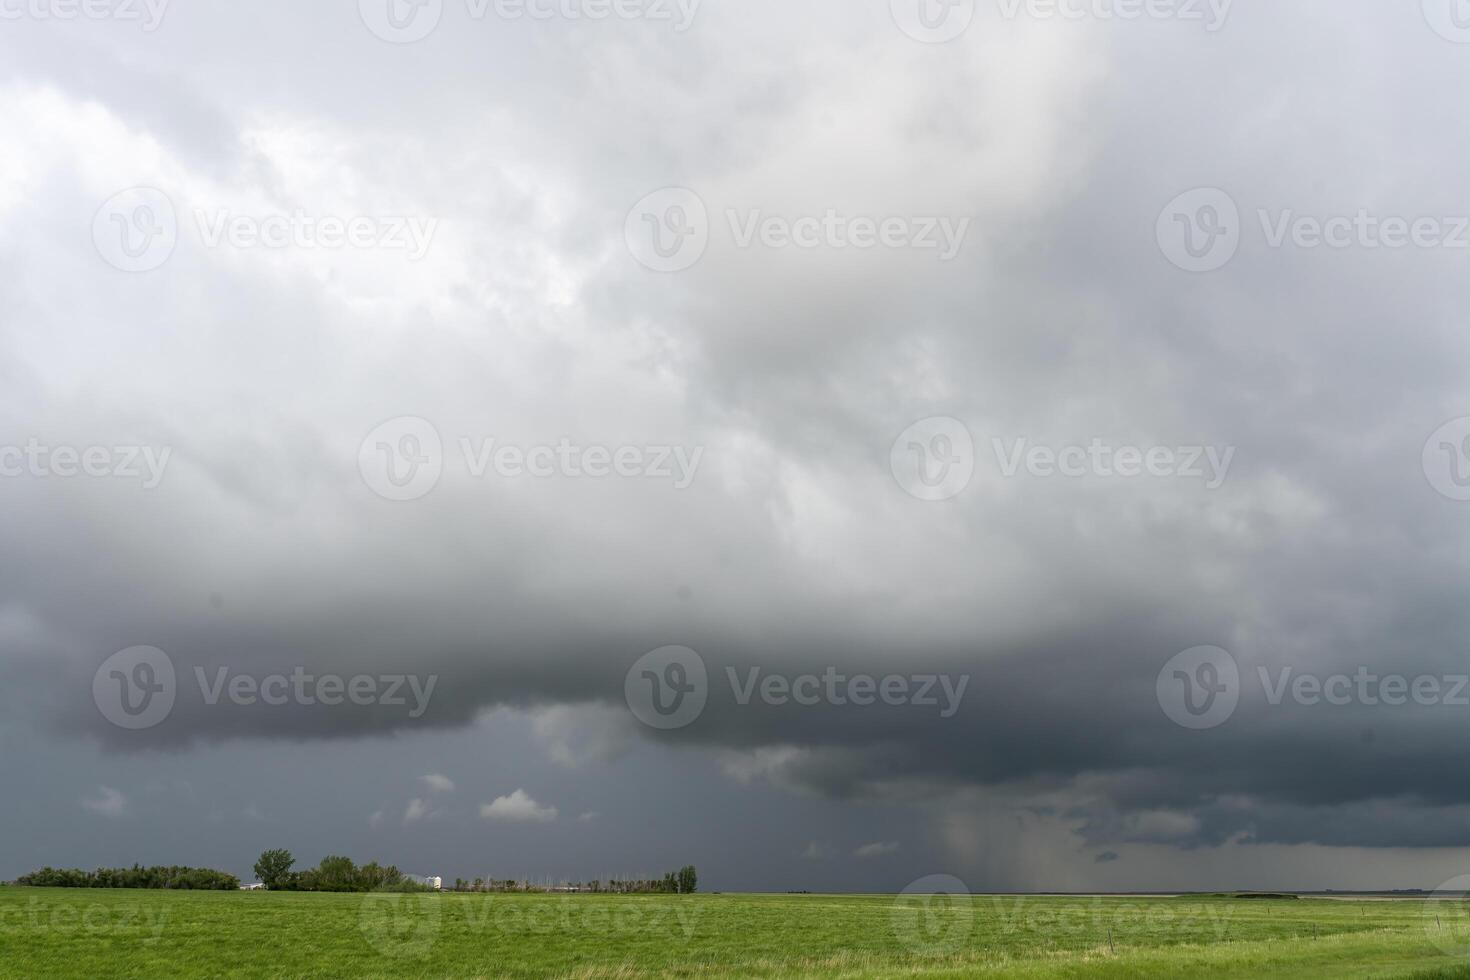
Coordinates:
<point>335,873</point>
<point>685,881</point>
<point>195,879</point>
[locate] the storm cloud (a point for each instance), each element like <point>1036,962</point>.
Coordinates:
<point>781,373</point>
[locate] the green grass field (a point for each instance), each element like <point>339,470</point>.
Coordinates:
<point>91,933</point>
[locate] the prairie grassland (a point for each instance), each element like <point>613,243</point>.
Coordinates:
<point>85,933</point>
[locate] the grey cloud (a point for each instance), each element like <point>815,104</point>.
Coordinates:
<point>794,550</point>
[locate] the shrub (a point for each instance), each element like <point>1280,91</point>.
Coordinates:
<point>193,879</point>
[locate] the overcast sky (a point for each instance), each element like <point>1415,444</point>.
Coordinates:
<point>1085,392</point>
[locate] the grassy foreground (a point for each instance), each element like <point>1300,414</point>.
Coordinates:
<point>75,933</point>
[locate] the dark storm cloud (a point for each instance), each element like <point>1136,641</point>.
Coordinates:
<point>794,550</point>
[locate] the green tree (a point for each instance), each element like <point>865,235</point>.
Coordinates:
<point>273,867</point>
<point>373,877</point>
<point>336,874</point>
<point>688,880</point>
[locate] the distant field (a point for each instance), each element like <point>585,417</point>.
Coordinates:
<point>70,933</point>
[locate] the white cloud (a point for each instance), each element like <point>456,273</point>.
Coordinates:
<point>110,802</point>
<point>588,817</point>
<point>818,851</point>
<point>575,735</point>
<point>747,766</point>
<point>518,807</point>
<point>875,850</point>
<point>417,810</point>
<point>376,819</point>
<point>439,783</point>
